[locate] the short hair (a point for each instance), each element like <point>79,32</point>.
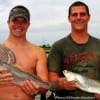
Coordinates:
<point>78,3</point>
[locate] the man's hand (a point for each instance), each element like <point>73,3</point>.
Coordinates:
<point>67,85</point>
<point>97,96</point>
<point>30,87</point>
<point>5,77</point>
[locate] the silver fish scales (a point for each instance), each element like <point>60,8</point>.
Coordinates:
<point>83,82</point>
<point>20,76</point>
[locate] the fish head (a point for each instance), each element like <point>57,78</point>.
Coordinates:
<point>70,76</point>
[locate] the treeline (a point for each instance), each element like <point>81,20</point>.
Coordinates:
<point>46,47</point>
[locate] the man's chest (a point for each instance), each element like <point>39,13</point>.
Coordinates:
<point>26,61</point>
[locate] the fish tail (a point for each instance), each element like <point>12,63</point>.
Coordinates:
<point>53,85</point>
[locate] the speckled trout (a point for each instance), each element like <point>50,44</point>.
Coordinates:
<point>20,76</point>
<point>83,82</point>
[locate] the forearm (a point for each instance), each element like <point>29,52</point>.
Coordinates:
<point>66,85</point>
<point>97,96</point>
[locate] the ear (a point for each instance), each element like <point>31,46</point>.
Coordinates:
<point>28,24</point>
<point>68,18</point>
<point>89,17</point>
<point>8,21</point>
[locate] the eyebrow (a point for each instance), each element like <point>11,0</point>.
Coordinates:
<point>81,14</point>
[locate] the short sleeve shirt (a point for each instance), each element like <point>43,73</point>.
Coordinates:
<point>79,58</point>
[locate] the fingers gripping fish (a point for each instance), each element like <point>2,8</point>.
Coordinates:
<point>83,82</point>
<point>20,76</point>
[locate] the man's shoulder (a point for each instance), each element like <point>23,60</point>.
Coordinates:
<point>61,41</point>
<point>36,48</point>
<point>95,40</point>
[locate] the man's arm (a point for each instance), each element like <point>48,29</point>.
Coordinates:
<point>63,83</point>
<point>41,68</point>
<point>31,87</point>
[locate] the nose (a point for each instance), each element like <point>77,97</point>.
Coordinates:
<point>78,16</point>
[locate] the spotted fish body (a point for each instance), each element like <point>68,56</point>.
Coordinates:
<point>20,76</point>
<point>83,82</point>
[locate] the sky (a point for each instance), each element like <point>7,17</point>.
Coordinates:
<point>49,21</point>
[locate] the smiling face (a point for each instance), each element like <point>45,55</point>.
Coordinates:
<point>79,18</point>
<point>18,26</point>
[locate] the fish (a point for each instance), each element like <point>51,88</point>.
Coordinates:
<point>20,76</point>
<point>84,83</point>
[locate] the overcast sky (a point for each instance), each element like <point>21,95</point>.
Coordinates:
<point>48,19</point>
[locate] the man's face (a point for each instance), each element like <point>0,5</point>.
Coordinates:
<point>18,26</point>
<point>79,18</point>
